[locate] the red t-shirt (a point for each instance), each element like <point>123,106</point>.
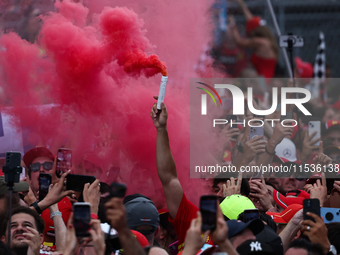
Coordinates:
<point>186,212</point>
<point>264,66</point>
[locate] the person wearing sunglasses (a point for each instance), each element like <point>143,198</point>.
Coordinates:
<point>293,179</point>
<point>37,160</point>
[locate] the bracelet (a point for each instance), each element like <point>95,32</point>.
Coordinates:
<point>94,216</point>
<point>36,207</point>
<point>272,154</point>
<point>55,214</point>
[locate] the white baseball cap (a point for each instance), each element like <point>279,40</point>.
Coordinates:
<point>286,149</point>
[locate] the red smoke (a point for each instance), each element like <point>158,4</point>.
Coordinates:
<point>87,65</point>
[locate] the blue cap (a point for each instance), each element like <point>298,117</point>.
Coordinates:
<point>236,226</point>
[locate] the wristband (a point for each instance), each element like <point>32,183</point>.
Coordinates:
<point>332,250</point>
<point>55,214</point>
<point>94,216</point>
<point>36,207</point>
<point>272,154</point>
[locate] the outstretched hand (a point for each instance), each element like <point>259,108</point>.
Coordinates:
<point>159,117</point>
<point>194,238</point>
<point>57,192</point>
<point>316,231</point>
<point>233,186</point>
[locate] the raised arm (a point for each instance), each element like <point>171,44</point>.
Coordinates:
<point>244,42</point>
<point>116,216</point>
<point>166,166</point>
<point>59,227</point>
<point>247,14</point>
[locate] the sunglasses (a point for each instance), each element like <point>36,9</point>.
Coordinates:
<point>36,166</point>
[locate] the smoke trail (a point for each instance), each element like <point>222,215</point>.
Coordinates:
<point>86,61</point>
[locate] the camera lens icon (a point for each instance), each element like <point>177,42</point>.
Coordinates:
<point>329,216</point>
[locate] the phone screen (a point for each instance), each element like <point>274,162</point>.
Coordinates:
<point>64,161</point>
<point>315,127</point>
<point>208,211</point>
<point>117,190</point>
<point>76,182</point>
<point>81,219</point>
<point>311,205</point>
<point>44,184</point>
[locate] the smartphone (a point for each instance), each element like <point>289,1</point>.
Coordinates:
<point>173,248</point>
<point>312,127</point>
<point>208,208</point>
<point>330,214</point>
<point>117,190</point>
<point>311,205</point>
<point>288,116</point>
<point>64,161</point>
<point>250,214</point>
<point>232,118</point>
<point>82,218</point>
<point>76,182</point>
<point>45,181</point>
<point>12,168</point>
<point>255,132</point>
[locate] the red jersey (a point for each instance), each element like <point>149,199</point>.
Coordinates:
<point>186,212</point>
<point>264,66</point>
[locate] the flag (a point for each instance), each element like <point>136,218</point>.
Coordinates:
<point>320,67</point>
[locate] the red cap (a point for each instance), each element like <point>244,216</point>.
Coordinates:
<point>304,69</point>
<point>140,238</point>
<point>254,23</point>
<point>285,216</point>
<point>331,123</point>
<point>37,152</point>
<point>313,178</point>
<point>65,207</point>
<point>293,197</point>
<point>284,160</point>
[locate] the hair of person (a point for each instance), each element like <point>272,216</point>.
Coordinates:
<point>39,222</point>
<point>224,177</point>
<point>167,239</point>
<point>150,237</point>
<point>312,249</point>
<point>265,32</point>
<point>3,249</point>
<point>334,234</point>
<point>4,211</point>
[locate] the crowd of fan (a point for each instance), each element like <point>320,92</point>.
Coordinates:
<point>133,225</point>
<point>46,226</point>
